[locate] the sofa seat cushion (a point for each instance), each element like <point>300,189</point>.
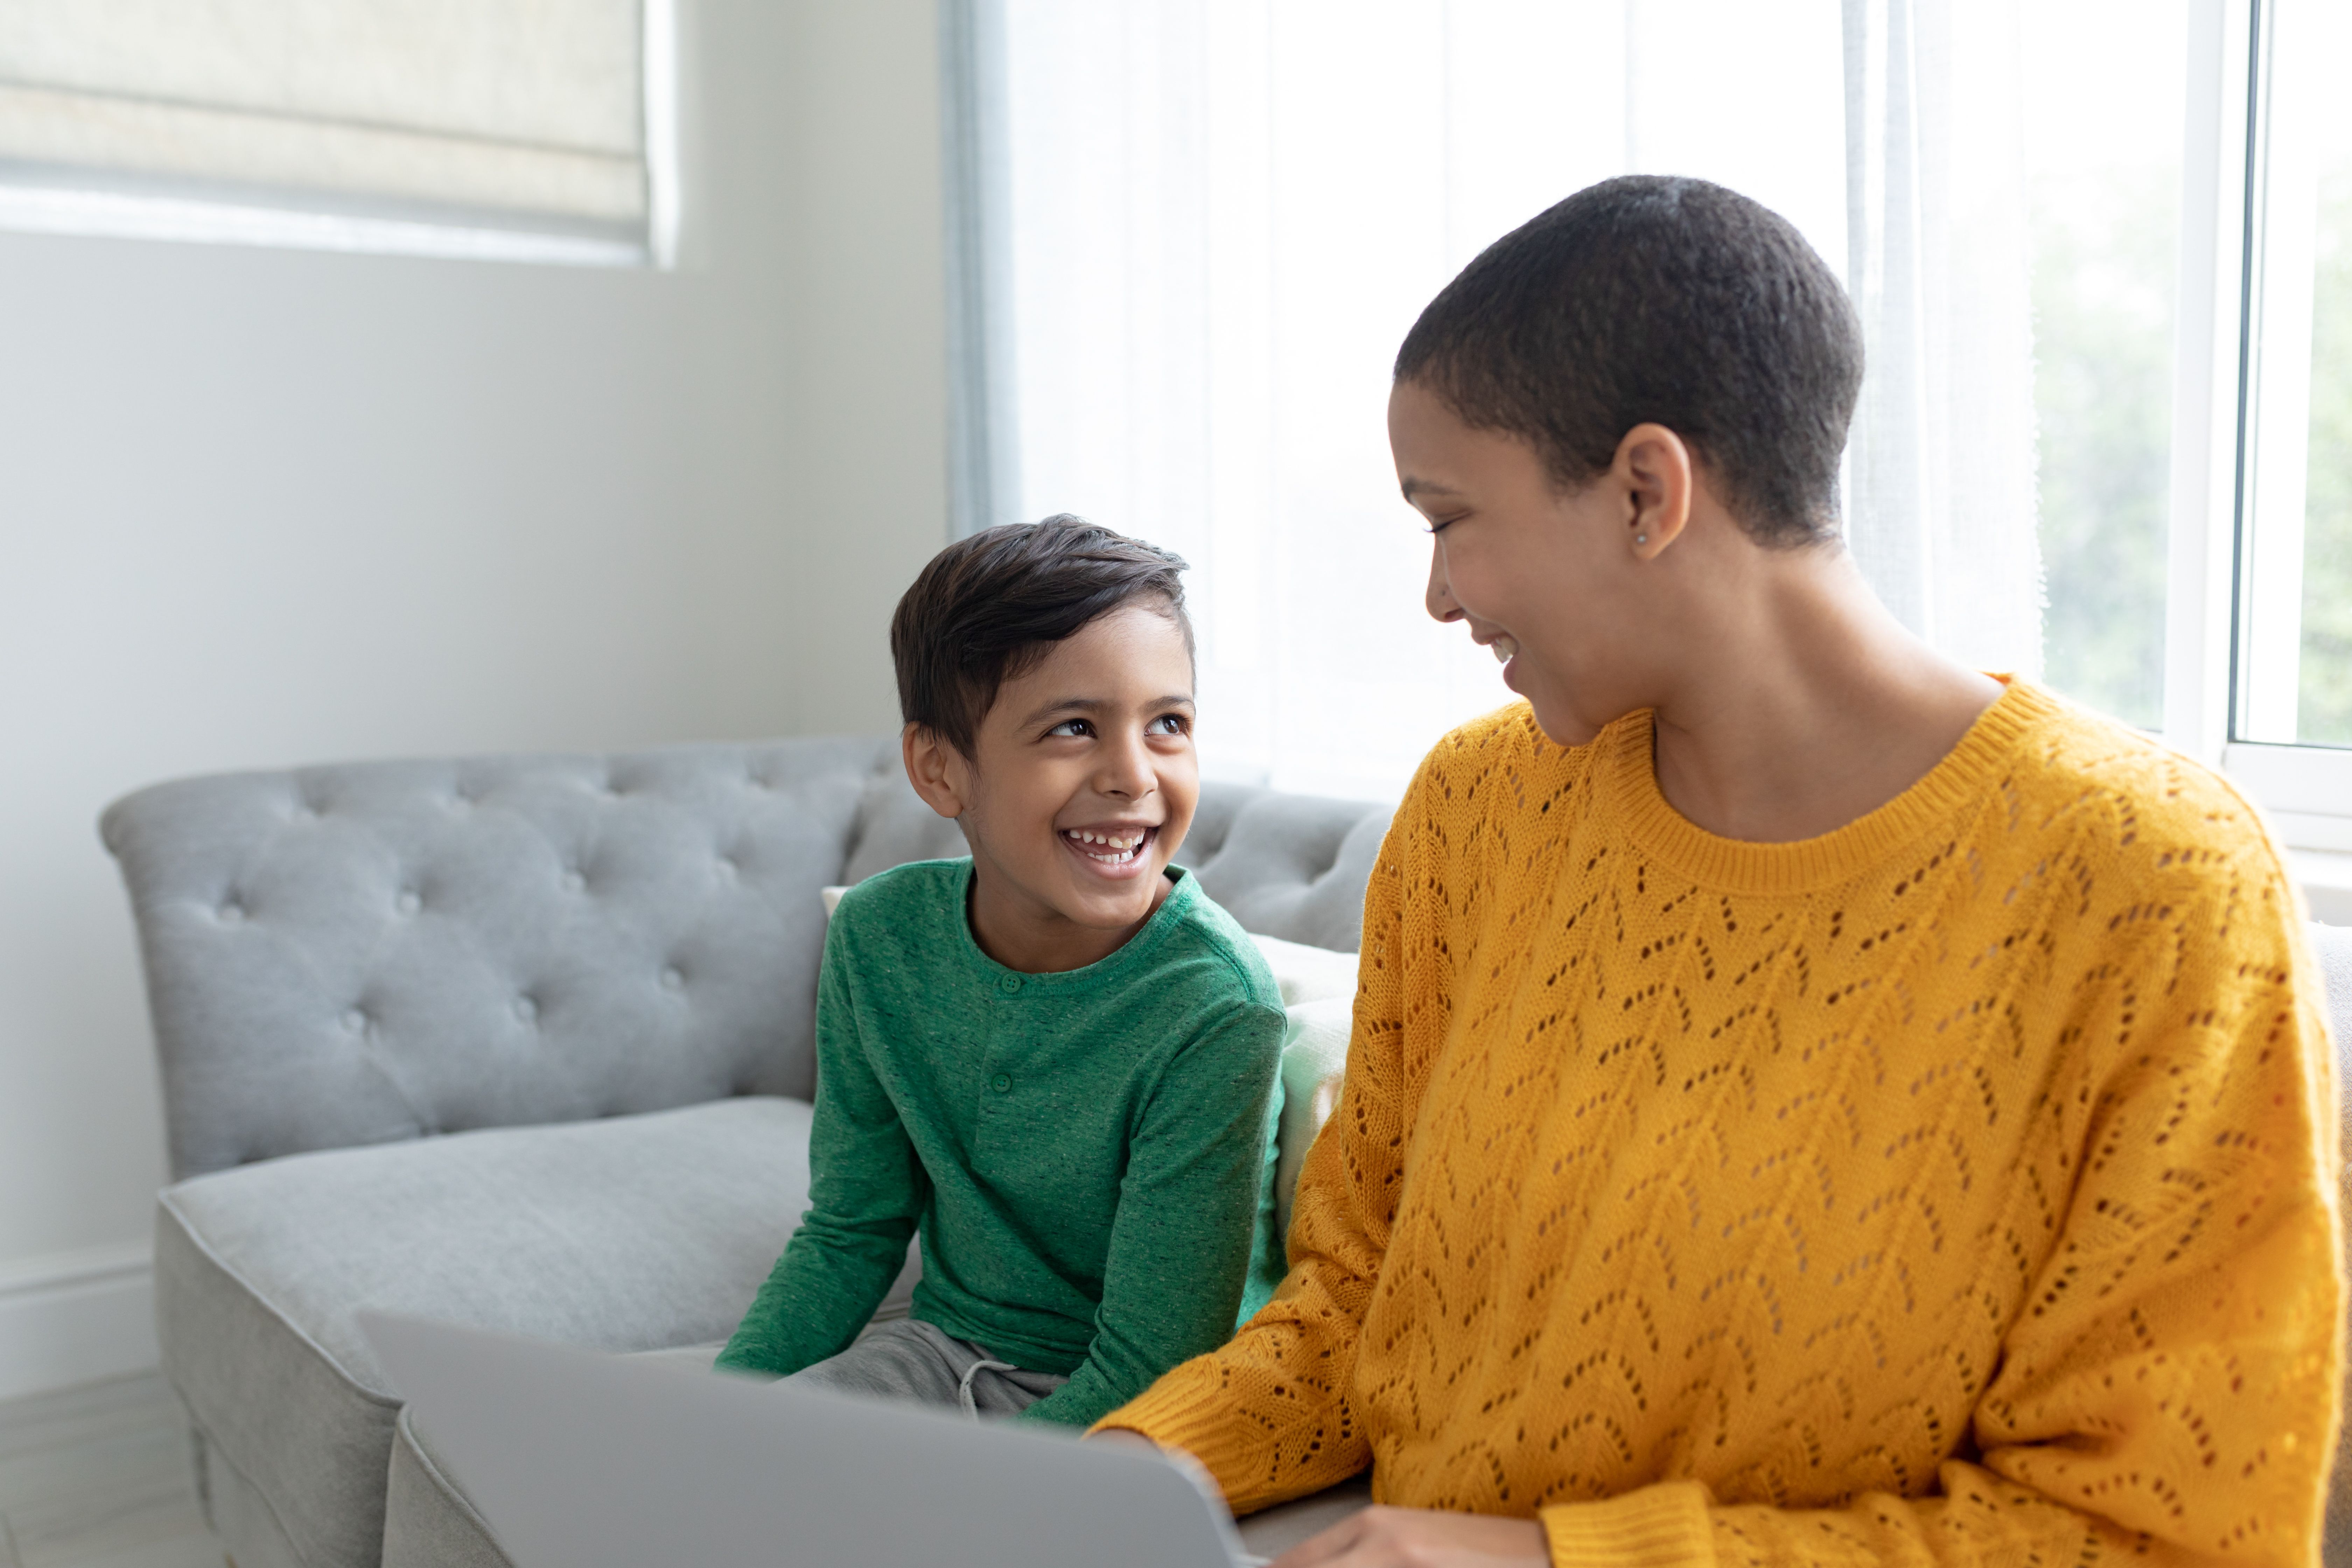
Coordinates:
<point>631,1234</point>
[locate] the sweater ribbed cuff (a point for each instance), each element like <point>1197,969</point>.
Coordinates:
<point>1177,1412</point>
<point>1662,1526</point>
<point>1192,1413</point>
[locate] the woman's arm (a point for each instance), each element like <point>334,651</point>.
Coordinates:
<point>2170,1387</point>
<point>2169,1391</point>
<point>866,1188</point>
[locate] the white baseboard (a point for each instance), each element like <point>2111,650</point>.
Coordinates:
<point>76,1316</point>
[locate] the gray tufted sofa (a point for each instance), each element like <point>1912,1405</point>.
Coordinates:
<point>526,1043</point>
<point>520,1042</point>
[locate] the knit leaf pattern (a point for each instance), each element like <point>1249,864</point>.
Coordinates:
<point>1958,1187</point>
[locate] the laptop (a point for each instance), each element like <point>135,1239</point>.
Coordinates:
<point>579,1460</point>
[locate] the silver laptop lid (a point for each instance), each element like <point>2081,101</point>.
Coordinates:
<point>580,1460</point>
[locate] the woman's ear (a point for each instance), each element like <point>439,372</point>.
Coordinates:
<point>1653,469</point>
<point>940,774</point>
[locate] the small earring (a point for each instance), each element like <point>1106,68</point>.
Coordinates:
<point>1640,539</point>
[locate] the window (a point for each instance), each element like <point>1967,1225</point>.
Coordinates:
<point>1215,223</point>
<point>2103,173</point>
<point>2291,701</point>
<point>514,128</point>
<point>2107,435</point>
<point>2296,649</point>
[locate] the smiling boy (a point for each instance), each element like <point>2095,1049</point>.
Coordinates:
<point>1055,1059</point>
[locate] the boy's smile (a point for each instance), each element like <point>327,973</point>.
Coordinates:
<point>1081,785</point>
<point>1117,849</point>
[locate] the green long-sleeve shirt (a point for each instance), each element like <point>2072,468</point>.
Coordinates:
<point>1086,1154</point>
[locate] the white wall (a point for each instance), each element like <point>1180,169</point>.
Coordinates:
<point>260,508</point>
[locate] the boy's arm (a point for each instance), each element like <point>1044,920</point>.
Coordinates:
<point>1181,1243</point>
<point>866,1188</point>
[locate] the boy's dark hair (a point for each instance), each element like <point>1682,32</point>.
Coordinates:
<point>1649,298</point>
<point>988,608</point>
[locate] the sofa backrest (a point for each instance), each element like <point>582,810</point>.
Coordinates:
<point>378,950</point>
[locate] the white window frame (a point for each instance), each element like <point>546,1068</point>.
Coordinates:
<point>2214,587</point>
<point>2208,337</point>
<point>2217,685</point>
<point>104,207</point>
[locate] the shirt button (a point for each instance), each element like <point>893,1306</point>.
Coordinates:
<point>1009,985</point>
<point>1001,1082</point>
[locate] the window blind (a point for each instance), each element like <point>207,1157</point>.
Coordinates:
<point>530,109</point>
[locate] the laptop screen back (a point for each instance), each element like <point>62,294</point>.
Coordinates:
<point>580,1461</point>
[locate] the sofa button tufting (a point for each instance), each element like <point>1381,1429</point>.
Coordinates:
<point>408,903</point>
<point>526,1011</point>
<point>232,912</point>
<point>672,979</point>
<point>573,882</point>
<point>355,1021</point>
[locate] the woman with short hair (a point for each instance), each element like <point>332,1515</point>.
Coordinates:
<point>1809,1101</point>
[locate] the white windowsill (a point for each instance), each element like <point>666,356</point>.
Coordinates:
<point>43,209</point>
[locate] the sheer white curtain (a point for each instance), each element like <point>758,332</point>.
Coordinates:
<point>1940,465</point>
<point>1220,217</point>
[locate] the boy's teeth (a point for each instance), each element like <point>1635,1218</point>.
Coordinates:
<point>1121,847</point>
<point>1505,646</point>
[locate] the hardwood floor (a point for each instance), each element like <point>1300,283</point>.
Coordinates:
<point>100,1477</point>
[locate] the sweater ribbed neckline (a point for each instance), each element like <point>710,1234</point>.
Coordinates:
<point>1111,967</point>
<point>1629,792</point>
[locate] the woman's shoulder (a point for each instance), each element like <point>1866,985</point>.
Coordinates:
<point>1503,763</point>
<point>2073,762</point>
<point>1508,730</point>
<point>2128,815</point>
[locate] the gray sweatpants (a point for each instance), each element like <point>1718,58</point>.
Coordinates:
<point>907,1358</point>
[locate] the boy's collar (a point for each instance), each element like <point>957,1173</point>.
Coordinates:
<point>1181,892</point>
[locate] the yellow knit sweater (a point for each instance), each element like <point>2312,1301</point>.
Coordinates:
<point>1957,1186</point>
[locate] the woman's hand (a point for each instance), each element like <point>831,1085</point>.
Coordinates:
<point>1398,1537</point>
<point>1422,1538</point>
